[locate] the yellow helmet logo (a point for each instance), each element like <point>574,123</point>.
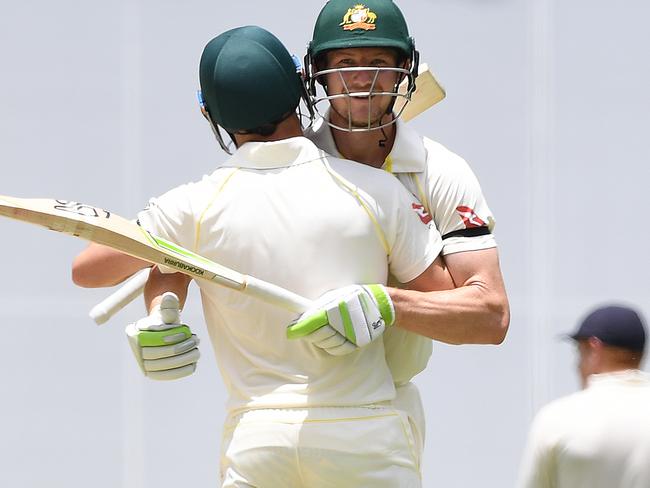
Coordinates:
<point>359,17</point>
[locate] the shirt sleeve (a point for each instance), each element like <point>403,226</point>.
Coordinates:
<point>456,201</point>
<point>414,240</point>
<point>170,216</point>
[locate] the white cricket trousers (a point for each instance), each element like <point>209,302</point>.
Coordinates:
<point>329,447</point>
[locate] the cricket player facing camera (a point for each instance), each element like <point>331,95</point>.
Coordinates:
<point>356,58</point>
<point>316,410</point>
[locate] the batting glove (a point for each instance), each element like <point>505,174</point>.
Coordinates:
<point>343,320</point>
<point>164,348</point>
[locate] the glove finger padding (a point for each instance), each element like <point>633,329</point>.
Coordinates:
<point>326,337</point>
<point>331,341</point>
<point>172,374</point>
<point>173,350</point>
<point>164,348</point>
<point>357,318</point>
<point>358,313</point>
<point>157,338</point>
<point>170,308</point>
<point>172,362</point>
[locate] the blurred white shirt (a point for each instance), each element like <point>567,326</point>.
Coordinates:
<point>595,438</point>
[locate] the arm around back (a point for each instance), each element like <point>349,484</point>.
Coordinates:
<point>99,266</point>
<point>476,312</point>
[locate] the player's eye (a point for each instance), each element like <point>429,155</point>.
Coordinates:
<point>345,62</point>
<point>380,62</point>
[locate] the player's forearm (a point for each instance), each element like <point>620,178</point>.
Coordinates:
<point>98,266</point>
<point>159,283</point>
<point>471,314</point>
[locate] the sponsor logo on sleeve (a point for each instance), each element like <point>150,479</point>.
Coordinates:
<point>419,209</point>
<point>470,219</point>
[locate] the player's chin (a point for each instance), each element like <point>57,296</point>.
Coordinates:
<point>363,120</point>
<point>365,124</point>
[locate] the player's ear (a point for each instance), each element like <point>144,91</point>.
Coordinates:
<point>595,343</point>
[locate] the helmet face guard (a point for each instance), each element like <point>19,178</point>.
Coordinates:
<point>324,100</point>
<point>343,24</point>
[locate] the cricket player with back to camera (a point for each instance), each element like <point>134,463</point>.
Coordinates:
<point>314,411</point>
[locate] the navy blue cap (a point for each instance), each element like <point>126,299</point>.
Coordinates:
<point>614,326</point>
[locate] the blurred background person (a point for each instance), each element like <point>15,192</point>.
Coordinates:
<point>600,436</point>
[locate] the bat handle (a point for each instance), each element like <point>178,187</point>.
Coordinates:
<point>134,286</point>
<point>128,292</point>
<point>276,295</point>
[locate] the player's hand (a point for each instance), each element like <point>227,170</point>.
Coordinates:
<point>345,319</point>
<point>164,348</point>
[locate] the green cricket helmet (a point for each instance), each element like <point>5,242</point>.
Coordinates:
<point>348,24</point>
<point>344,24</point>
<point>248,80</point>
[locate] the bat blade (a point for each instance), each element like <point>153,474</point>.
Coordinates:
<point>427,93</point>
<point>103,227</point>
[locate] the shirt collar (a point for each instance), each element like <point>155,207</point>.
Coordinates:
<point>407,156</point>
<point>274,154</point>
<point>628,376</point>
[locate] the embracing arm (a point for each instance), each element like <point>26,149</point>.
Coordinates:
<point>476,312</point>
<point>98,266</point>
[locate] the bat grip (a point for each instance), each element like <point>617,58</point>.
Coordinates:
<point>276,295</point>
<point>128,292</point>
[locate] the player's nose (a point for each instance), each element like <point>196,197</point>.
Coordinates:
<point>364,79</point>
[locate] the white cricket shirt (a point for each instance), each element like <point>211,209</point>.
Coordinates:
<point>451,194</point>
<point>287,213</point>
<point>596,438</point>
<point>439,178</point>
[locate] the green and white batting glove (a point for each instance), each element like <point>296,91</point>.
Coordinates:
<point>345,319</point>
<point>164,348</point>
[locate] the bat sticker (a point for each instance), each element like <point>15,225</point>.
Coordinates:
<point>81,209</point>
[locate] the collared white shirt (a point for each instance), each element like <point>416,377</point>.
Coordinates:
<point>451,194</point>
<point>596,438</point>
<point>439,178</point>
<point>287,213</point>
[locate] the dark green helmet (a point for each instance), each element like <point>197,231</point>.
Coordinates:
<point>349,24</point>
<point>248,79</point>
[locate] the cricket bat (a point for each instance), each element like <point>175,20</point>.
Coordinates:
<point>103,227</point>
<point>427,93</point>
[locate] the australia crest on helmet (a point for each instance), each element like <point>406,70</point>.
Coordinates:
<point>359,17</point>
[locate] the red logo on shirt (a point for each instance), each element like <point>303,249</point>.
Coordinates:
<point>422,213</point>
<point>470,219</point>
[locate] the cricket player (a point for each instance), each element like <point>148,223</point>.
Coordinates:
<point>353,56</point>
<point>311,412</point>
<point>598,437</point>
